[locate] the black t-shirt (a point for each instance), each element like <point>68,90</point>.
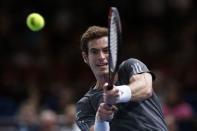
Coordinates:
<point>145,115</point>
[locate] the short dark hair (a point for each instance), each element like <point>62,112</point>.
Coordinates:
<point>93,32</point>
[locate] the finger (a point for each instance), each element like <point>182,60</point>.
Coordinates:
<point>111,108</point>
<point>112,93</point>
<point>105,87</point>
<point>114,108</point>
<point>116,92</point>
<point>107,108</point>
<point>104,112</point>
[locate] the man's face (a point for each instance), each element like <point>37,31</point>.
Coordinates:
<point>97,57</point>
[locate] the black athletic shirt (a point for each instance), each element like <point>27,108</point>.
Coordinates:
<point>145,115</point>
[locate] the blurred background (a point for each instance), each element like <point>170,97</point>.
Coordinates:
<point>42,74</point>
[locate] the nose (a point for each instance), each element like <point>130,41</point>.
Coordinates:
<point>102,55</point>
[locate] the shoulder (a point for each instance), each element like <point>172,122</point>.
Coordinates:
<point>87,95</point>
<point>131,61</point>
<point>89,99</point>
<point>131,67</point>
<point>134,65</point>
<point>84,99</point>
<point>85,111</point>
<point>82,107</point>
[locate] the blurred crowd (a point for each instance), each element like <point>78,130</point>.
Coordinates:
<point>42,74</point>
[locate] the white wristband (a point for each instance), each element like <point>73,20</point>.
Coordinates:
<point>101,125</point>
<point>124,93</point>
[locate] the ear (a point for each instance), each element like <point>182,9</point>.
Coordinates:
<point>85,57</point>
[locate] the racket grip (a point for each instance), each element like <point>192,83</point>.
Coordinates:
<point>109,87</point>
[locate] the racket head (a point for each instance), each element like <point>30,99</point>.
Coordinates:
<point>114,41</point>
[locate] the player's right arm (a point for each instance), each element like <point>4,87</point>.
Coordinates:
<point>87,121</point>
<point>85,114</point>
<point>104,114</point>
<point>91,128</point>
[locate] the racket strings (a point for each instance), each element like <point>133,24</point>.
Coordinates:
<point>113,44</point>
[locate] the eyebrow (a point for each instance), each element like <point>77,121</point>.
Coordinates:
<point>106,48</point>
<point>99,48</point>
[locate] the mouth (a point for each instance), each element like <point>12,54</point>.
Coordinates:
<point>102,64</point>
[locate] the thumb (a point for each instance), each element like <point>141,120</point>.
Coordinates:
<point>105,87</point>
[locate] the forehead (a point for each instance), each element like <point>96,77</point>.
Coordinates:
<point>98,43</point>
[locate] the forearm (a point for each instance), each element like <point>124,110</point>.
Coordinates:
<point>104,114</point>
<point>91,128</point>
<point>101,126</point>
<point>141,86</point>
<point>138,89</point>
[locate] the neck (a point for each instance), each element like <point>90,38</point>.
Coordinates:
<point>99,84</point>
<point>101,81</point>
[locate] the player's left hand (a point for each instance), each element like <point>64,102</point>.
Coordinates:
<point>105,112</point>
<point>110,96</point>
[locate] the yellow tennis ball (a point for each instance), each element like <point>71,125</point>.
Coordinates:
<point>35,21</point>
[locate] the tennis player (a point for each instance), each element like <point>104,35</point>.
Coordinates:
<point>131,105</point>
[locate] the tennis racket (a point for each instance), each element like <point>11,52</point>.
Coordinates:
<point>114,40</point>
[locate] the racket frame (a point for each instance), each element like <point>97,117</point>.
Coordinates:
<point>113,11</point>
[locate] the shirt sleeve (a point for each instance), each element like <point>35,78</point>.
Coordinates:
<point>131,67</point>
<point>85,116</point>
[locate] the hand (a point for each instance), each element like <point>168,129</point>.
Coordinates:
<point>110,96</point>
<point>105,112</point>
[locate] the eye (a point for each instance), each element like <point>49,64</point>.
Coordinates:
<point>105,50</point>
<point>94,51</point>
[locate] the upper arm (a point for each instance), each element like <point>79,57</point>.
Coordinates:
<point>129,68</point>
<point>85,116</point>
<point>143,80</point>
<point>136,74</point>
<point>141,86</point>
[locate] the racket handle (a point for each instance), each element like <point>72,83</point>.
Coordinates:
<point>109,87</point>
